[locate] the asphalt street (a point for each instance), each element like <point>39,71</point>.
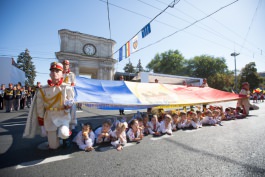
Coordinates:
<point>235,149</point>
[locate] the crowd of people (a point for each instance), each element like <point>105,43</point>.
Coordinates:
<point>53,112</point>
<point>16,96</point>
<point>119,132</point>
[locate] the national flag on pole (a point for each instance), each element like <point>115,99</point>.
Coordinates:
<point>135,43</point>
<point>120,54</point>
<point>127,49</point>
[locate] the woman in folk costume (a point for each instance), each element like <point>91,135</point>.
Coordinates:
<point>244,102</point>
<point>49,114</point>
<point>69,78</point>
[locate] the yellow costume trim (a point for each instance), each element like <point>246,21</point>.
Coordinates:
<point>66,79</point>
<point>53,99</point>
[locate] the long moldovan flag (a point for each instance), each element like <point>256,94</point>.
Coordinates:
<point>127,49</point>
<point>135,43</point>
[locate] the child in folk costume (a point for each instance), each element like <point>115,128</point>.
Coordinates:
<point>199,115</point>
<point>145,124</point>
<point>175,121</point>
<point>70,79</point>
<point>118,136</point>
<point>134,133</point>
<point>244,102</point>
<point>154,126</point>
<point>183,123</point>
<point>208,119</point>
<point>141,124</point>
<point>165,125</point>
<point>103,133</point>
<point>238,114</point>
<point>217,117</point>
<point>228,114</point>
<point>195,122</point>
<point>85,138</point>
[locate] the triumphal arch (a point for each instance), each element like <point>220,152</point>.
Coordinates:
<point>89,55</point>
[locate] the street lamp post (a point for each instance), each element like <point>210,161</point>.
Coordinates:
<point>234,54</point>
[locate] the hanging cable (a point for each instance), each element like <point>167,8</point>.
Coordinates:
<point>207,16</point>
<point>172,4</point>
<point>242,46</point>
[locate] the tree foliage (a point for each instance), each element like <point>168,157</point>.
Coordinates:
<point>24,62</point>
<point>205,66</point>
<point>129,68</point>
<point>249,74</point>
<point>170,62</point>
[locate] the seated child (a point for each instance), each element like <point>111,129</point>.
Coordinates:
<point>175,121</point>
<point>141,124</point>
<point>228,115</point>
<point>118,136</point>
<point>103,133</point>
<point>199,115</point>
<point>217,117</point>
<point>208,119</point>
<point>183,122</point>
<point>145,124</point>
<point>165,125</point>
<point>195,121</point>
<point>134,132</point>
<point>154,126</point>
<point>238,114</point>
<point>85,138</point>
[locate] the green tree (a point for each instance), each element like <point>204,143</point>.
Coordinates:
<point>139,66</point>
<point>249,74</point>
<point>169,62</point>
<point>221,81</point>
<point>24,62</point>
<point>205,66</point>
<point>129,68</point>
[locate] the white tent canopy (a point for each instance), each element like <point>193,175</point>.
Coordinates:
<point>10,73</point>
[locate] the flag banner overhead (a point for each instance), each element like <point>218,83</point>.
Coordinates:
<point>120,54</point>
<point>146,30</point>
<point>129,95</point>
<point>127,49</point>
<point>135,43</point>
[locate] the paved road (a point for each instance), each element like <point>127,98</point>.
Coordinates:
<point>235,149</point>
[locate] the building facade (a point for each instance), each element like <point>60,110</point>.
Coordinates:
<point>89,55</point>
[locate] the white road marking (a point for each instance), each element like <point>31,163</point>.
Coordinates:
<point>42,161</point>
<point>161,137</point>
<point>190,131</point>
<point>12,125</point>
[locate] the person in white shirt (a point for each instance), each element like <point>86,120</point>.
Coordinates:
<point>85,138</point>
<point>165,125</point>
<point>183,122</point>
<point>195,122</point>
<point>175,121</point>
<point>118,136</point>
<point>134,133</point>
<point>217,117</point>
<point>154,126</point>
<point>228,114</point>
<point>208,119</point>
<point>103,133</point>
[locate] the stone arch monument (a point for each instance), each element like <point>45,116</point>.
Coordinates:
<point>88,55</point>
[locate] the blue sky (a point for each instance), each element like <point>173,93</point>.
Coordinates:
<point>34,24</point>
